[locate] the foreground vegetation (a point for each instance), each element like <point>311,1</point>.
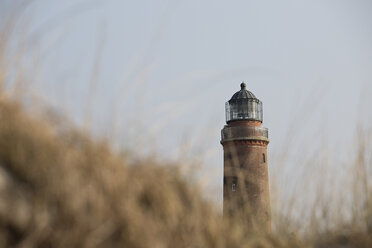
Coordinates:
<point>60,188</point>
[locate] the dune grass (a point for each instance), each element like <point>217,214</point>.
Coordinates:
<point>61,188</point>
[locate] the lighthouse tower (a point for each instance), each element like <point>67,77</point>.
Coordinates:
<point>244,141</point>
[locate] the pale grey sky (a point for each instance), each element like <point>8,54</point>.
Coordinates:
<point>166,68</point>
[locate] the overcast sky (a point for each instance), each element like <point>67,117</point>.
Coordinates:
<point>158,73</point>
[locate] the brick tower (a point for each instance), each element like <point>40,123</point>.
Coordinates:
<point>244,141</point>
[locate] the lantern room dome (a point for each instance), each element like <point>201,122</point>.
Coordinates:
<point>243,93</point>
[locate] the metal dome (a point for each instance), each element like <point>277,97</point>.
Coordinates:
<point>244,105</point>
<point>243,94</point>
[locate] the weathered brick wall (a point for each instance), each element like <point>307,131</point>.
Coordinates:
<point>245,165</point>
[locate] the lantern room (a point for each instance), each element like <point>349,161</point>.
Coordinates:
<point>243,105</point>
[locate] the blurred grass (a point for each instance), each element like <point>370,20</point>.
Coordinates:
<point>60,188</point>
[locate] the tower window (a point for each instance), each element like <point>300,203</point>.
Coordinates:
<point>263,158</point>
<point>234,184</point>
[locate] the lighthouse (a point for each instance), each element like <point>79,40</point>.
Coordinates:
<point>245,140</point>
